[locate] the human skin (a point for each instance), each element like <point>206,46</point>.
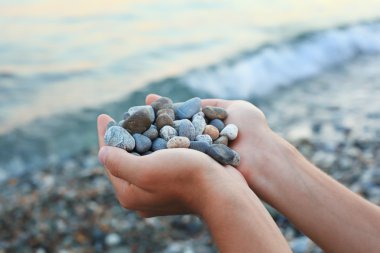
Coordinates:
<point>335,218</point>
<point>181,181</point>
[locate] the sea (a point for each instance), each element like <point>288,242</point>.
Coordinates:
<point>64,62</point>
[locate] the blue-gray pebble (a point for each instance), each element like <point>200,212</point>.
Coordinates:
<point>218,124</point>
<point>188,108</point>
<point>117,136</point>
<point>151,133</point>
<point>224,155</point>
<point>201,146</point>
<point>186,129</point>
<point>158,144</point>
<point>204,137</point>
<point>143,143</point>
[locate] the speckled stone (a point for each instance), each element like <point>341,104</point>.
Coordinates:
<point>168,132</point>
<point>111,124</point>
<point>178,142</point>
<point>176,124</point>
<point>204,137</point>
<point>212,131</point>
<point>222,140</point>
<point>151,133</point>
<point>138,122</point>
<point>162,103</point>
<point>121,122</point>
<point>149,108</point>
<point>218,124</point>
<point>201,146</point>
<point>188,108</point>
<point>213,112</point>
<point>224,154</point>
<point>163,120</point>
<point>186,129</point>
<point>231,131</point>
<point>169,112</point>
<point>159,144</point>
<point>143,143</point>
<point>199,123</point>
<point>117,136</point>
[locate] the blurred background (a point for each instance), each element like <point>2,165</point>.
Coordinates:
<point>311,66</point>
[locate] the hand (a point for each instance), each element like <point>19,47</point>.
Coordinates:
<point>175,181</point>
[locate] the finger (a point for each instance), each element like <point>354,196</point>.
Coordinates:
<point>103,120</point>
<point>216,102</point>
<point>151,98</point>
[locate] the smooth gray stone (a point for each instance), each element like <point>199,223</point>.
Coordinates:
<point>138,122</point>
<point>168,132</point>
<point>205,138</point>
<point>135,153</point>
<point>224,155</point>
<point>199,123</point>
<point>162,103</point>
<point>176,105</point>
<point>134,109</point>
<point>189,108</point>
<point>218,124</point>
<point>231,131</point>
<point>176,124</point>
<point>117,136</point>
<point>111,124</point>
<point>121,122</point>
<point>143,143</point>
<point>201,146</point>
<point>151,133</point>
<point>186,129</point>
<point>159,144</point>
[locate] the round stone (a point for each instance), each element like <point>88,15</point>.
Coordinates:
<point>204,137</point>
<point>159,144</point>
<point>224,155</point>
<point>117,136</point>
<point>213,112</point>
<point>176,124</point>
<point>199,123</point>
<point>169,112</point>
<point>162,103</point>
<point>212,131</point>
<point>222,140</point>
<point>178,142</point>
<point>187,109</point>
<point>143,143</point>
<point>163,120</point>
<point>111,124</point>
<point>151,133</point>
<point>168,132</point>
<point>149,108</point>
<point>231,131</point>
<point>218,124</point>
<point>138,122</point>
<point>201,146</point>
<point>186,129</point>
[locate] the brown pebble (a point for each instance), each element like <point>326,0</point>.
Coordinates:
<point>169,112</point>
<point>178,142</point>
<point>138,122</point>
<point>163,120</point>
<point>213,112</point>
<point>162,103</point>
<point>212,131</point>
<point>222,140</point>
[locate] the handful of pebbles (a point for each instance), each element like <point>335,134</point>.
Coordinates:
<point>164,124</point>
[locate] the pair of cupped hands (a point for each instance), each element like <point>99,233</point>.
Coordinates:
<point>184,181</point>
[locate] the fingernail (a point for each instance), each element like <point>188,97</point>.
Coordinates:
<point>102,154</point>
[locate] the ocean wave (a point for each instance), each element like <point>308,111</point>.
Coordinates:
<point>306,56</point>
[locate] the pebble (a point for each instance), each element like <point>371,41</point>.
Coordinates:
<point>168,132</point>
<point>163,120</point>
<point>143,143</point>
<point>135,153</point>
<point>176,105</point>
<point>204,137</point>
<point>117,136</point>
<point>186,129</point>
<point>138,122</point>
<point>178,142</point>
<point>188,108</point>
<point>224,154</point>
<point>218,124</point>
<point>199,123</point>
<point>212,131</point>
<point>231,131</point>
<point>151,133</point>
<point>213,112</point>
<point>149,108</point>
<point>169,112</point>
<point>162,103</point>
<point>176,124</point>
<point>201,146</point>
<point>111,124</point>
<point>112,239</point>
<point>126,115</point>
<point>222,140</point>
<point>159,144</point>
<point>121,122</point>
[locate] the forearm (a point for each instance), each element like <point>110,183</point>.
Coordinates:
<point>243,225</point>
<point>334,217</point>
